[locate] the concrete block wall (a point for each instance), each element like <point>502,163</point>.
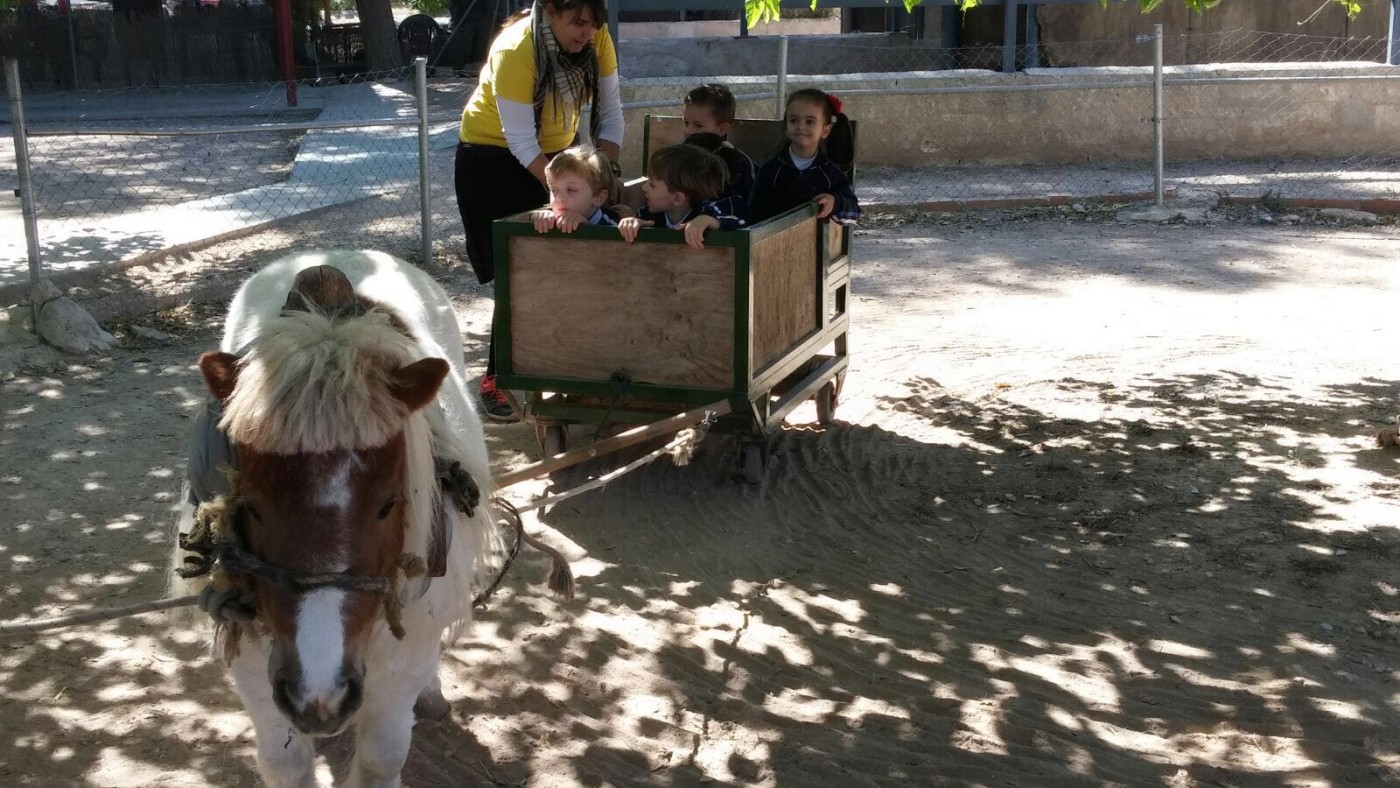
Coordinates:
<point>1325,119</point>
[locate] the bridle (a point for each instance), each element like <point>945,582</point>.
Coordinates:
<point>228,552</point>
<point>218,549</point>
<point>216,542</point>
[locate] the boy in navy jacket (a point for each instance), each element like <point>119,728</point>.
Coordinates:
<point>708,114</point>
<point>681,186</point>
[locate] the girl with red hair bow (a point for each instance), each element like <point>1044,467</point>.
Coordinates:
<point>815,164</point>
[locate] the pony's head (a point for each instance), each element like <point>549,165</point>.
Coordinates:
<point>332,486</point>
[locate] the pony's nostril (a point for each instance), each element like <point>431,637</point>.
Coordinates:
<point>282,695</point>
<point>318,709</point>
<point>354,694</point>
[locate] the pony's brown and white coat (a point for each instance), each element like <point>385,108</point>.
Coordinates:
<point>308,383</point>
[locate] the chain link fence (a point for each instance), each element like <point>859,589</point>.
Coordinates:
<point>1248,114</point>
<point>130,175</point>
<point>1322,133</point>
<point>119,177</point>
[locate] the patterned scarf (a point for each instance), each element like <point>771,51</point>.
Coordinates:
<point>571,78</point>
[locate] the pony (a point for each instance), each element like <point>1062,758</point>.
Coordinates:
<point>341,389</point>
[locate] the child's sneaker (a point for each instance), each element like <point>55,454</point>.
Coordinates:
<point>494,404</point>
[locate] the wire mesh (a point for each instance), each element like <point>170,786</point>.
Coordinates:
<point>119,175</point>
<point>881,54</point>
<point>1317,118</point>
<point>1305,139</point>
<point>979,139</point>
<point>1257,46</point>
<point>185,43</point>
<point>240,167</point>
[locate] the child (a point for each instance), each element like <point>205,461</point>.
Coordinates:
<point>734,200</point>
<point>804,172</point>
<point>709,110</point>
<point>581,183</point>
<point>681,186</point>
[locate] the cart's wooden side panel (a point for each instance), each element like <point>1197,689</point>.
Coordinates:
<point>760,138</point>
<point>836,242</point>
<point>784,291</point>
<point>585,309</point>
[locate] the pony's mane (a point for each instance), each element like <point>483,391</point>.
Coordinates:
<point>312,384</point>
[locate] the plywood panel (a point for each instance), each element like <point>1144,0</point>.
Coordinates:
<point>585,309</point>
<point>784,290</point>
<point>835,246</point>
<point>761,139</point>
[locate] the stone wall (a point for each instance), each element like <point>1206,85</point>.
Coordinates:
<point>906,129</point>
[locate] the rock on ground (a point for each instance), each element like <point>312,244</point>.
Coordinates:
<point>64,324</point>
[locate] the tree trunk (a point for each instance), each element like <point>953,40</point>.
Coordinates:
<point>474,24</point>
<point>381,35</point>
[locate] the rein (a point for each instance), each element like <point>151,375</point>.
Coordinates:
<point>217,560</point>
<point>222,547</point>
<point>218,551</point>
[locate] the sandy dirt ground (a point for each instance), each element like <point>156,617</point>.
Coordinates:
<point>1103,507</point>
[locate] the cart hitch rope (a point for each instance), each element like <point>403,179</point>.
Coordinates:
<point>621,380</point>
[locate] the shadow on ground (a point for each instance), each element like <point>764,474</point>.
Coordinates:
<point>1053,601</point>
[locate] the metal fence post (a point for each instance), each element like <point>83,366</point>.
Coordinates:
<point>72,46</point>
<point>782,76</point>
<point>420,89</point>
<point>1392,47</point>
<point>614,17</point>
<point>1008,36</point>
<point>26,186</point>
<point>1158,156</point>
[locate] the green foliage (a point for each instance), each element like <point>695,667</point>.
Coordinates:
<point>430,7</point>
<point>759,11</point>
<point>1148,6</point>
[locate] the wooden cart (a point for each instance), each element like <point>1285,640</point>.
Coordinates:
<point>600,331</point>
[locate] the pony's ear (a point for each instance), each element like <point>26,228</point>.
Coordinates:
<point>416,384</point>
<point>220,372</point>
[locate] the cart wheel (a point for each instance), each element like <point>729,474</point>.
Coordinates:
<point>826,403</point>
<point>553,439</point>
<point>751,463</point>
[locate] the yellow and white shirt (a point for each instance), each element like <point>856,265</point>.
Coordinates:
<point>501,110</point>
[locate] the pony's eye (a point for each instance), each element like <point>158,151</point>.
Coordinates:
<point>252,512</point>
<point>388,507</point>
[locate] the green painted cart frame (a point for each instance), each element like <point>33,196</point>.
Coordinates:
<point>599,331</point>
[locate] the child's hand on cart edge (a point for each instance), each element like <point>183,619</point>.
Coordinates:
<point>544,220</point>
<point>695,230</point>
<point>630,226</point>
<point>570,221</point>
<point>826,203</point>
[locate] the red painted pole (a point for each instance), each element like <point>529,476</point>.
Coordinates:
<point>284,49</point>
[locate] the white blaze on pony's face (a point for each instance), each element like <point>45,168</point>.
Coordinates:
<point>320,648</point>
<point>336,492</point>
<point>322,514</point>
<point>325,512</point>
